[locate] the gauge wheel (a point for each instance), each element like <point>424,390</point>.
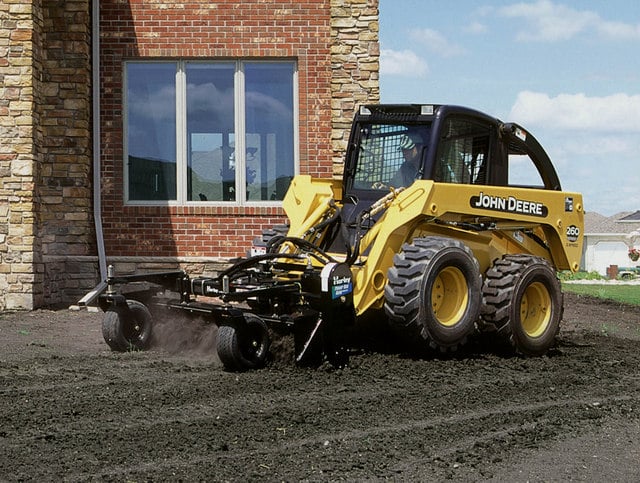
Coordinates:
<point>245,345</point>
<point>128,328</point>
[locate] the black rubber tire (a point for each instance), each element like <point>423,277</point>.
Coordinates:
<point>522,301</point>
<point>433,293</point>
<point>269,233</point>
<point>276,230</point>
<point>244,347</point>
<point>128,329</point>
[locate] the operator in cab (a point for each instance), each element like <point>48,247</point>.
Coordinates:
<point>411,147</point>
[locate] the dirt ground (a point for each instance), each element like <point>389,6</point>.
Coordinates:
<point>72,410</point>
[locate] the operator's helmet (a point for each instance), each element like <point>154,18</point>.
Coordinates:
<point>409,141</point>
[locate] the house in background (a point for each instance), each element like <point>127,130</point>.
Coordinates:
<point>607,241</point>
<point>155,135</point>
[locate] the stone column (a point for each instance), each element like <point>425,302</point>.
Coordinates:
<point>65,214</point>
<point>355,62</point>
<point>20,268</point>
<point>45,158</point>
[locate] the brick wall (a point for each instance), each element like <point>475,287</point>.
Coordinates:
<point>47,242</point>
<point>303,30</point>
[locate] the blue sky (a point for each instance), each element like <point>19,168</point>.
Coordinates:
<point>567,71</point>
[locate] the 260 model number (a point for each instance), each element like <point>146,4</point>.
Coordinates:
<point>573,232</point>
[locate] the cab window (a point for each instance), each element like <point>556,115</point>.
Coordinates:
<point>383,152</point>
<point>463,152</point>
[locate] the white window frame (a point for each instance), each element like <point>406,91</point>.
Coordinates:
<point>181,135</point>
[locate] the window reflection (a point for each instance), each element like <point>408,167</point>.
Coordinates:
<point>269,129</point>
<point>151,130</point>
<point>200,140</point>
<point>210,132</point>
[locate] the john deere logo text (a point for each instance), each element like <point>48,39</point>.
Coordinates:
<point>510,204</point>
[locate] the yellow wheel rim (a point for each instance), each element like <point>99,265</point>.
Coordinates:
<point>449,296</point>
<point>535,309</point>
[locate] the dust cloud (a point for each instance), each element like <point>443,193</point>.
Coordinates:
<point>189,337</point>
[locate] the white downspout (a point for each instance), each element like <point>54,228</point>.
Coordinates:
<point>97,198</point>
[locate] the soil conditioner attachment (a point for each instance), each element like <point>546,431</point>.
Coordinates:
<point>447,223</point>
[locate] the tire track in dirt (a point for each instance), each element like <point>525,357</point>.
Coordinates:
<point>504,434</point>
<point>296,401</point>
<point>162,416</point>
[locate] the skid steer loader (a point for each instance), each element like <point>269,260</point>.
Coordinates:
<point>447,221</point>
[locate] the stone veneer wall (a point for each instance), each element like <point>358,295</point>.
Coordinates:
<point>45,158</point>
<point>65,211</point>
<point>20,264</point>
<point>355,62</point>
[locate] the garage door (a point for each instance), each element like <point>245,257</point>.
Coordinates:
<point>607,253</point>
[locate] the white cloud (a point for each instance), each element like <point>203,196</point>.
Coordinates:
<point>402,63</point>
<point>435,42</point>
<point>484,11</point>
<point>207,97</point>
<point>593,142</point>
<point>157,104</point>
<point>602,168</point>
<point>476,28</point>
<point>620,31</point>
<point>549,22</point>
<point>614,113</point>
